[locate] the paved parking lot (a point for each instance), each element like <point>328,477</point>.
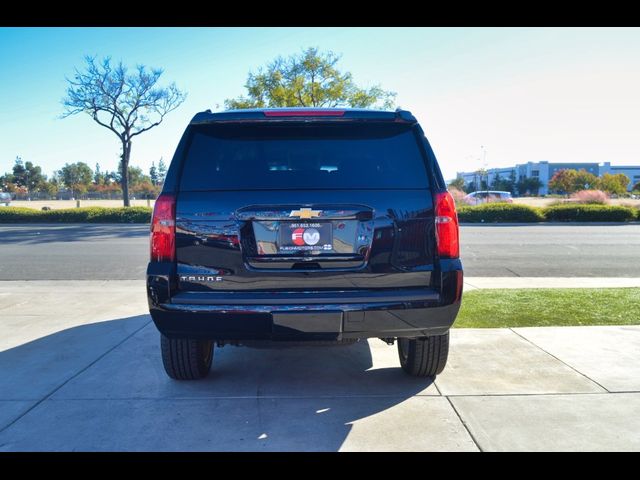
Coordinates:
<point>80,370</point>
<point>121,252</point>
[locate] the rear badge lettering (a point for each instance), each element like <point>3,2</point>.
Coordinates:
<point>200,278</point>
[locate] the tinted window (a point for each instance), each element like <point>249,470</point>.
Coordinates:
<point>232,157</point>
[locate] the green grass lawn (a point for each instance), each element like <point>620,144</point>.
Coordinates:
<point>549,307</point>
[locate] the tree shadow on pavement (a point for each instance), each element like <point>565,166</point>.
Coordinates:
<point>104,388</point>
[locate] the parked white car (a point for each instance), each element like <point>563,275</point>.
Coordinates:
<point>488,196</point>
<point>5,199</point>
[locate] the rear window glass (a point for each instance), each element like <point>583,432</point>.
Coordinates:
<point>232,157</point>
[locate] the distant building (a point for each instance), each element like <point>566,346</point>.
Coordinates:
<point>545,170</point>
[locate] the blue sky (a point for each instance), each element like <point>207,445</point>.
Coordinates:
<point>526,94</point>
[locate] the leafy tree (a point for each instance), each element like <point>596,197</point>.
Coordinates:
<point>512,182</point>
<point>27,175</point>
<point>135,174</point>
<point>98,176</point>
<point>529,185</point>
<point>458,183</point>
<point>636,187</point>
<point>79,189</point>
<point>570,181</point>
<point>108,189</point>
<point>128,104</point>
<point>19,173</point>
<point>6,183</point>
<point>146,189</point>
<point>497,180</point>
<point>35,177</point>
<point>50,187</point>
<point>76,176</point>
<point>615,184</point>
<point>503,184</point>
<point>162,171</point>
<point>153,173</point>
<point>481,179</point>
<point>624,180</point>
<point>111,178</point>
<point>563,181</point>
<point>585,180</point>
<point>309,79</point>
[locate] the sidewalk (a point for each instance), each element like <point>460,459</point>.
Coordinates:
<point>480,283</point>
<point>80,369</point>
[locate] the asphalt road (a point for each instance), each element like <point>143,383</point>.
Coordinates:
<point>73,252</point>
<point>551,250</point>
<point>120,252</point>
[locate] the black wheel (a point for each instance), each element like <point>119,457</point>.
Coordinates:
<point>186,359</point>
<point>424,357</point>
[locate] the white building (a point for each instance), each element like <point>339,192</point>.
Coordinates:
<point>545,170</point>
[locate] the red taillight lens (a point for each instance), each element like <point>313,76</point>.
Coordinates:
<point>447,226</point>
<point>163,230</point>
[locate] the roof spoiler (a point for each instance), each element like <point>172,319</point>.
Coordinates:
<point>304,115</point>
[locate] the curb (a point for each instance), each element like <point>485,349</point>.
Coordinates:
<point>506,283</point>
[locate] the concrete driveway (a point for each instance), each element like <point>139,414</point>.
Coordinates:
<point>80,369</point>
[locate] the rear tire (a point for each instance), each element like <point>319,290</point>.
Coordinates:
<point>185,358</point>
<point>425,356</point>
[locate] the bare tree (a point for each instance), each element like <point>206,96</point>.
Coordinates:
<point>127,104</point>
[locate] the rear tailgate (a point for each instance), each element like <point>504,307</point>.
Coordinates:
<point>304,208</point>
<point>221,249</point>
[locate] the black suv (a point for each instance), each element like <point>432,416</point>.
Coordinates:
<point>317,225</point>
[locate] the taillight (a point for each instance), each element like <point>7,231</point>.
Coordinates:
<point>447,226</point>
<point>163,229</point>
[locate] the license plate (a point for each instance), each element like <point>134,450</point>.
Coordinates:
<point>305,236</point>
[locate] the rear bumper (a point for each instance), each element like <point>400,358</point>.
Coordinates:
<point>315,322</point>
<point>307,316</point>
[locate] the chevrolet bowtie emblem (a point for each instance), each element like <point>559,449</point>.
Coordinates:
<point>305,213</point>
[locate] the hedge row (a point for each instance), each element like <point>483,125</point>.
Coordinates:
<point>488,213</point>
<point>591,213</point>
<point>499,213</point>
<point>510,212</point>
<point>76,215</point>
